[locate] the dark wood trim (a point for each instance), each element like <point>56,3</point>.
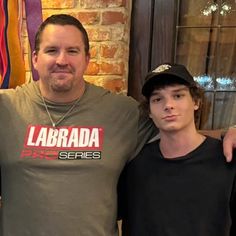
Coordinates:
<point>140,38</point>
<point>152,39</point>
<point>164,29</point>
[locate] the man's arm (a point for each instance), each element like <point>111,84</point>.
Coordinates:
<point>229,143</point>
<point>215,133</point>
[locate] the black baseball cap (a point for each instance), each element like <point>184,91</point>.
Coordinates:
<point>177,72</point>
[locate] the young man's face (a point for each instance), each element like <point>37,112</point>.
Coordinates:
<point>172,108</point>
<point>61,60</point>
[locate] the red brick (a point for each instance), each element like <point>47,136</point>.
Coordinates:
<point>93,68</point>
<point>88,18</point>
<point>99,34</point>
<point>113,17</point>
<point>112,68</point>
<point>101,3</point>
<point>58,4</point>
<point>115,85</point>
<point>125,3</point>
<point>108,51</point>
<point>118,33</point>
<point>94,50</point>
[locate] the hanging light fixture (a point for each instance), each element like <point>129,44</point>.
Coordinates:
<point>212,7</point>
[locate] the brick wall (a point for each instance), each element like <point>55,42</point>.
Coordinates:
<point>108,24</point>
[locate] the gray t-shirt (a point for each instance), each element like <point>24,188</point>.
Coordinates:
<point>62,182</point>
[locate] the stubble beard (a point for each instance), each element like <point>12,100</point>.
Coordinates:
<point>61,86</point>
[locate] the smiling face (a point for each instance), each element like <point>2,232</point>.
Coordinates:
<point>61,60</point>
<point>172,108</point>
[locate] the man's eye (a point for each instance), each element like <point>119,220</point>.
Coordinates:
<point>73,51</point>
<point>178,95</point>
<point>155,100</point>
<point>51,51</point>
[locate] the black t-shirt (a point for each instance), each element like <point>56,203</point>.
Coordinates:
<point>192,195</point>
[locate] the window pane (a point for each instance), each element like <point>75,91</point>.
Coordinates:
<point>226,60</point>
<point>224,111</point>
<point>228,13</point>
<point>206,45</point>
<point>196,48</point>
<point>207,111</point>
<point>218,110</point>
<point>198,13</point>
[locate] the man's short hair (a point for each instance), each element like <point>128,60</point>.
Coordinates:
<point>61,19</point>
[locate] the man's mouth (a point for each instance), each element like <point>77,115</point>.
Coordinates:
<point>169,117</point>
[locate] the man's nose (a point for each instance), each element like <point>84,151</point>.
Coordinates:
<point>62,59</point>
<point>169,104</point>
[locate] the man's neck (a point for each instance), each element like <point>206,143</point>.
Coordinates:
<point>62,97</point>
<point>179,143</point>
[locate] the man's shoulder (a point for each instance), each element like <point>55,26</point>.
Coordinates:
<point>19,88</point>
<point>149,150</point>
<point>20,93</point>
<point>211,147</point>
<point>7,94</point>
<point>211,141</point>
<point>107,95</point>
<point>214,148</point>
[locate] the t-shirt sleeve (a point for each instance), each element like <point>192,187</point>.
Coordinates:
<point>146,131</point>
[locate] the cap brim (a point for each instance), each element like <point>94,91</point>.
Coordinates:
<point>153,79</point>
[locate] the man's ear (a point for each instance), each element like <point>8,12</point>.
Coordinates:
<point>34,58</point>
<point>196,105</point>
<point>88,57</point>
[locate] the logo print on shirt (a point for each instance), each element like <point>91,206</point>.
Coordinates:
<point>64,143</point>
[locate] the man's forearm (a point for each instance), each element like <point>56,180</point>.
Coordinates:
<point>217,133</point>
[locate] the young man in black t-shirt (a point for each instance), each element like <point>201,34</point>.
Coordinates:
<point>179,185</point>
